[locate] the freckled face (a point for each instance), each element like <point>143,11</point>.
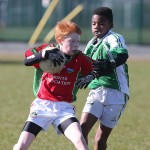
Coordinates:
<point>100,25</point>
<point>70,43</point>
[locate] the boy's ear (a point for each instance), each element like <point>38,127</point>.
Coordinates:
<point>112,25</point>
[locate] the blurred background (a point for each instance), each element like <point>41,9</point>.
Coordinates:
<point>19,18</point>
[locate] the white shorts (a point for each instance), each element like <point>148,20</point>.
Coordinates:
<point>45,113</point>
<point>106,104</point>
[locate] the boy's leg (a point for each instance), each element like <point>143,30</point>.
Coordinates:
<point>87,121</point>
<point>24,141</point>
<point>27,136</point>
<point>109,120</point>
<point>72,130</point>
<point>91,112</point>
<point>101,137</point>
<point>74,133</point>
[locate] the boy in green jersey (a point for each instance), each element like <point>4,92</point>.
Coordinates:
<point>109,93</point>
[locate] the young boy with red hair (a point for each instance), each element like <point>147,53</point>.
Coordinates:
<point>56,92</point>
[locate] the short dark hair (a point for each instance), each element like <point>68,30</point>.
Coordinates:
<point>104,11</point>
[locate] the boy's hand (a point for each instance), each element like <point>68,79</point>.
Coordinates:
<point>83,82</point>
<point>54,55</point>
<point>103,67</point>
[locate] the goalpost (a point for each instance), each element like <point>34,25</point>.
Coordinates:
<point>42,22</point>
<point>70,16</point>
<point>46,16</point>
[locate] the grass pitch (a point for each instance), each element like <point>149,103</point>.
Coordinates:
<point>132,132</point>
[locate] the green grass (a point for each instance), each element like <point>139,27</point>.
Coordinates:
<point>132,132</point>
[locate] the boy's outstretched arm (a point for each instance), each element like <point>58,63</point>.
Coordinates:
<point>53,55</point>
<point>101,67</point>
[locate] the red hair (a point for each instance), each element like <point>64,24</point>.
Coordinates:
<point>65,27</point>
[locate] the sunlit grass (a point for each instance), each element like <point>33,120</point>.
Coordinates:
<point>132,132</point>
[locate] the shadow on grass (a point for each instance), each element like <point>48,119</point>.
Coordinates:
<point>12,62</point>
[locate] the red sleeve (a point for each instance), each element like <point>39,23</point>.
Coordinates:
<point>34,50</point>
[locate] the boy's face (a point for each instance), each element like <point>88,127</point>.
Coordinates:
<point>70,44</point>
<point>100,25</point>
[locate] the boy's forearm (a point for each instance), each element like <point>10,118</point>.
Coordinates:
<point>29,61</point>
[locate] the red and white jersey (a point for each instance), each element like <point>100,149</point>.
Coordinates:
<point>61,86</point>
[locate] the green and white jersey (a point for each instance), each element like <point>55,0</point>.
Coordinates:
<point>119,79</point>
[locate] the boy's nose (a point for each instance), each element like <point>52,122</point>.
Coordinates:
<point>76,46</point>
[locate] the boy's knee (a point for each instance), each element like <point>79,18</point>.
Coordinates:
<point>16,147</point>
<point>19,147</point>
<point>100,143</point>
<point>80,143</point>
